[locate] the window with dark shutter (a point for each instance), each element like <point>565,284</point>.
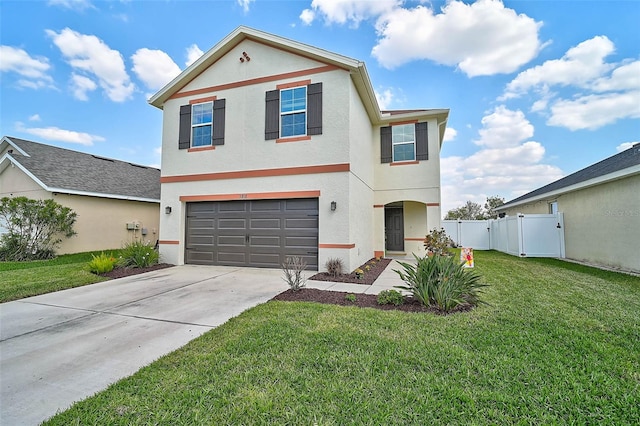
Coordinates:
<point>272,115</point>
<point>385,145</point>
<point>218,121</point>
<point>422,141</point>
<point>184,134</point>
<point>314,109</point>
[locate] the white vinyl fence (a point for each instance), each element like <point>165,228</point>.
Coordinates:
<point>531,235</point>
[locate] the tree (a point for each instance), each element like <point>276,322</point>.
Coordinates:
<point>474,211</point>
<point>470,211</point>
<point>490,206</point>
<point>35,228</point>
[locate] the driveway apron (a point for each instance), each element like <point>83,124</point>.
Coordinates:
<point>59,348</point>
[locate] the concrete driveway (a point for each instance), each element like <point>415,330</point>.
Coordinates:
<point>62,347</point>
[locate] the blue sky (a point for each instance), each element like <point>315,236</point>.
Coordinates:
<point>537,89</point>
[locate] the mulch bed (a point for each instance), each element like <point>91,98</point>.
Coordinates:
<point>125,272</point>
<point>362,301</point>
<point>376,268</point>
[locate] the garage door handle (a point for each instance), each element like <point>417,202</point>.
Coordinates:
<point>246,238</point>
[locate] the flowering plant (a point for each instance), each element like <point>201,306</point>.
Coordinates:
<point>359,273</point>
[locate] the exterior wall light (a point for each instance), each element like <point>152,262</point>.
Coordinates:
<point>167,210</point>
<point>333,206</point>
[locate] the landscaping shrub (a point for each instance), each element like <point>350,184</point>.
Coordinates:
<point>293,268</point>
<point>441,282</point>
<point>390,297</point>
<point>334,266</point>
<point>437,243</point>
<point>102,264</point>
<point>350,298</point>
<point>138,254</point>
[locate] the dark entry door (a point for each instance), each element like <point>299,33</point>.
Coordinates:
<point>394,228</point>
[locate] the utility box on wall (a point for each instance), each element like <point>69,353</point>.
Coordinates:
<point>132,226</point>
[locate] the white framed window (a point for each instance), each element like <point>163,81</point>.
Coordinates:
<point>201,124</point>
<point>403,138</point>
<point>293,112</point>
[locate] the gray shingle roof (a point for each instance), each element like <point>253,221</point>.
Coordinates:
<point>623,160</point>
<point>65,169</point>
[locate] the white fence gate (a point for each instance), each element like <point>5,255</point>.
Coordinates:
<point>531,235</point>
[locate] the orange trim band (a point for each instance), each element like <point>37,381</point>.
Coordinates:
<point>433,204</point>
<point>404,163</point>
<point>202,100</point>
<point>378,254</point>
<point>293,84</point>
<point>251,196</point>
<point>338,246</point>
<point>400,123</point>
<point>252,81</point>
<point>414,239</point>
<point>202,148</point>
<point>287,171</point>
<point>294,139</point>
<point>169,242</point>
<point>378,206</point>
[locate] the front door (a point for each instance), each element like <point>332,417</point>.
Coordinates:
<point>394,228</point>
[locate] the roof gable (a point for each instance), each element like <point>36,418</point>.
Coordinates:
<point>623,164</point>
<point>63,170</point>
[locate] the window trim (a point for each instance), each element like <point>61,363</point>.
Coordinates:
<point>193,126</point>
<point>292,87</point>
<point>393,144</point>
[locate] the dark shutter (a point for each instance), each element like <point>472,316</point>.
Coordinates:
<point>272,115</point>
<point>422,141</point>
<point>218,121</point>
<point>314,109</point>
<point>385,145</point>
<point>184,136</point>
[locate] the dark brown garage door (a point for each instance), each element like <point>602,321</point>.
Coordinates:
<point>259,233</point>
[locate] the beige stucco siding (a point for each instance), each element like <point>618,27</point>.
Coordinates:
<point>602,223</point>
<point>16,183</point>
<point>101,222</point>
<point>415,227</point>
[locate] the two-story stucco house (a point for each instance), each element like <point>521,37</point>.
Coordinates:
<point>273,148</point>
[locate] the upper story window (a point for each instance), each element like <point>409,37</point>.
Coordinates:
<point>404,142</point>
<point>403,138</point>
<point>293,112</point>
<point>201,124</point>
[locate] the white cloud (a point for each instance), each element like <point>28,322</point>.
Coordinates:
<point>80,85</point>
<point>61,135</point>
<point>504,128</point>
<point>35,117</point>
<point>450,134</point>
<point>384,98</point>
<point>347,11</point>
<point>594,111</point>
<point>579,65</point>
<point>307,16</point>
<point>78,5</point>
<point>90,55</point>
<point>154,67</point>
<point>482,38</point>
<point>193,54</point>
<point>625,77</point>
<point>33,70</point>
<point>245,4</point>
<point>625,145</point>
<point>508,165</point>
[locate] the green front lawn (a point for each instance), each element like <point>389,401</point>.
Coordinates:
<point>559,344</point>
<point>25,279</point>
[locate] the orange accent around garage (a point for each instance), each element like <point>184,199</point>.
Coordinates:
<point>414,239</point>
<point>378,206</point>
<point>287,171</point>
<point>337,246</point>
<point>433,204</point>
<point>378,254</point>
<point>251,196</point>
<point>168,242</point>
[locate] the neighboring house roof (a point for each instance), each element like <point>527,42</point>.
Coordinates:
<point>72,172</point>
<point>356,68</point>
<point>621,165</point>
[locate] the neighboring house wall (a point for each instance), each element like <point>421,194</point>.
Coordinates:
<point>101,222</point>
<point>602,223</point>
<point>16,183</point>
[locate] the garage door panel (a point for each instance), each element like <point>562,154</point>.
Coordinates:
<point>258,233</point>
